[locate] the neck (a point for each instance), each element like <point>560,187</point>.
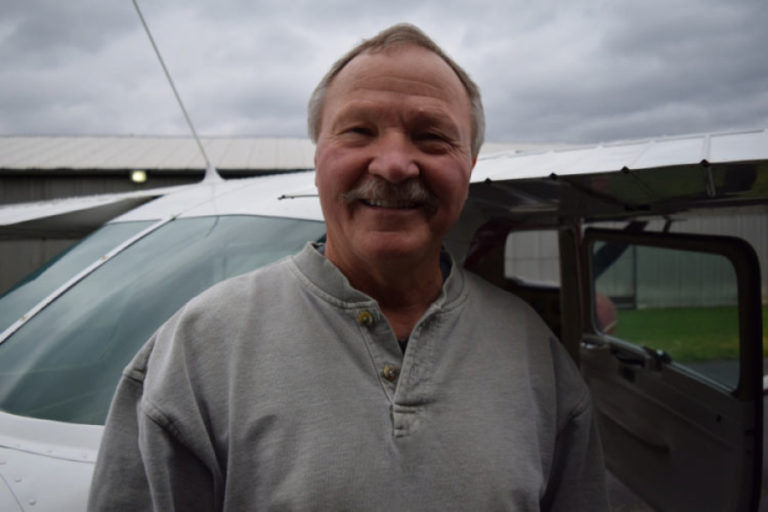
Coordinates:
<point>404,288</point>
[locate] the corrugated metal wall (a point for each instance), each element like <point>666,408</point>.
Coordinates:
<point>533,255</point>
<point>648,277</point>
<point>24,187</point>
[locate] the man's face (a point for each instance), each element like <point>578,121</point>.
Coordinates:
<point>393,156</point>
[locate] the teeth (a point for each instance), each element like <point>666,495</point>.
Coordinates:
<point>390,204</point>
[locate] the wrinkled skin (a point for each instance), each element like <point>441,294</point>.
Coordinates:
<point>400,117</point>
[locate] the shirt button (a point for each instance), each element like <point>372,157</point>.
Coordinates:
<point>390,372</point>
<point>365,318</point>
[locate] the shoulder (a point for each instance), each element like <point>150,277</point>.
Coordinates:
<point>494,302</point>
<point>237,291</point>
<point>505,314</point>
<point>203,330</point>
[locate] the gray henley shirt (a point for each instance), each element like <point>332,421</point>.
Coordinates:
<point>285,389</point>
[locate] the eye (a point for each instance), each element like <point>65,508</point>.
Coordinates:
<point>431,136</point>
<point>432,141</point>
<point>356,134</point>
<point>359,130</point>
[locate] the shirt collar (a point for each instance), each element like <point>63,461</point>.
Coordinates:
<point>328,279</point>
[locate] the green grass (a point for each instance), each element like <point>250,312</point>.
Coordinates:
<point>687,334</point>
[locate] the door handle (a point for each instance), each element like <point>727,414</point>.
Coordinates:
<point>629,358</point>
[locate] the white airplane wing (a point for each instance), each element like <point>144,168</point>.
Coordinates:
<point>70,217</point>
<point>658,176</point>
<point>633,155</point>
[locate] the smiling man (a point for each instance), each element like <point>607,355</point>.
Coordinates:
<point>394,155</point>
<point>370,372</point>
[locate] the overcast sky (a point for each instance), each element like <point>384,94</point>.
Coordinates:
<point>573,71</point>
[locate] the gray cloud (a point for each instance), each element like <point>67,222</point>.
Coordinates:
<point>40,30</point>
<point>584,71</point>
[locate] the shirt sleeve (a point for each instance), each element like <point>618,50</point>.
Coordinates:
<point>142,465</point>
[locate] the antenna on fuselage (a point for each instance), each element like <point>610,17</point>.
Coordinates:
<point>211,173</point>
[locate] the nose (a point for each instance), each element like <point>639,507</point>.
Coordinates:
<point>394,159</point>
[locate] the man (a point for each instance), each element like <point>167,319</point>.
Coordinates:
<point>369,373</point>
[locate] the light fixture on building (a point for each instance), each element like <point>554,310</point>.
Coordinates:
<point>138,176</point>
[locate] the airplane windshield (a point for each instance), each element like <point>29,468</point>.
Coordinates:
<point>49,277</point>
<point>64,364</point>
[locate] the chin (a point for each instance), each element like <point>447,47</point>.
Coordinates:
<point>396,246</point>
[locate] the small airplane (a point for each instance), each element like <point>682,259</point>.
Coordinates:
<point>631,281</point>
<point>682,433</point>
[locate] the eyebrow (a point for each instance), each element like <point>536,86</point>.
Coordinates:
<point>421,117</point>
<point>437,119</point>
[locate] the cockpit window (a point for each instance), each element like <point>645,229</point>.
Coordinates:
<point>65,363</point>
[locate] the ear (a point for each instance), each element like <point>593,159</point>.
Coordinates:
<point>472,166</point>
<point>315,163</point>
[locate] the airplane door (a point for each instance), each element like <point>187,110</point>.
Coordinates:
<point>672,353</point>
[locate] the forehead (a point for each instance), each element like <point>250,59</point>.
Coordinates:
<point>407,73</point>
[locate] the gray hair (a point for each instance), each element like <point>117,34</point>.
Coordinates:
<point>400,34</point>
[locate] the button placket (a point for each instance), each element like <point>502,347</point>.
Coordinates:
<point>388,370</point>
<point>365,318</point>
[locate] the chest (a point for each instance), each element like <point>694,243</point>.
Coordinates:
<point>452,421</point>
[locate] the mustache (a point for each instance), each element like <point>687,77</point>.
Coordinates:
<point>377,189</point>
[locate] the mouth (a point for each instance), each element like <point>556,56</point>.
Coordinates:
<point>409,196</point>
<point>390,204</point>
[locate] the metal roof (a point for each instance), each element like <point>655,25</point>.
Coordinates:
<point>276,153</point>
<point>122,152</point>
<point>153,152</point>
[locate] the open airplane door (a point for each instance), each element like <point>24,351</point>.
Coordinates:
<point>672,353</point>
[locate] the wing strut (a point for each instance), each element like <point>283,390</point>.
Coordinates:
<point>211,174</point>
